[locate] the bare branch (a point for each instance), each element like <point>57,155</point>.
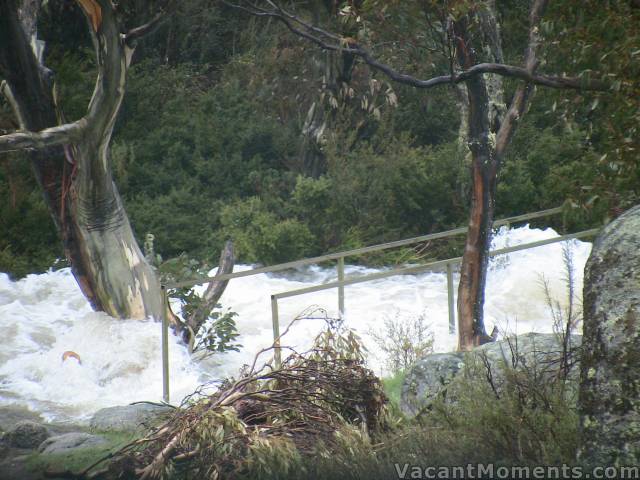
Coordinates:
<point>211,295</point>
<point>330,41</point>
<point>521,97</point>
<point>137,33</point>
<point>48,137</point>
<point>6,90</point>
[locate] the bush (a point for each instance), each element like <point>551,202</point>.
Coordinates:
<point>28,239</point>
<point>260,236</point>
<point>392,190</point>
<point>403,341</point>
<point>532,422</point>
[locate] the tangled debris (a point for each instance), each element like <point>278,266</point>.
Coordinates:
<point>288,411</point>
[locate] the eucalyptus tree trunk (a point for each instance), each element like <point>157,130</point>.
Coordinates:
<point>484,108</point>
<point>71,161</point>
<point>490,128</point>
<point>335,70</point>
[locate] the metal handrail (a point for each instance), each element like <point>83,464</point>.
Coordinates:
<point>359,251</point>
<point>404,271</point>
<point>342,282</point>
<point>425,267</point>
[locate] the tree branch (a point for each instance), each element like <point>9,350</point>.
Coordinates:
<point>107,95</point>
<point>67,133</point>
<point>330,41</point>
<point>211,295</point>
<point>520,100</point>
<point>6,90</point>
<point>137,33</point>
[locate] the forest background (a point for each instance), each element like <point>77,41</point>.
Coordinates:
<point>232,128</point>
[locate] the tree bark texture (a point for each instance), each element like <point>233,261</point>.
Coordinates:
<point>491,127</point>
<point>484,110</point>
<point>75,175</point>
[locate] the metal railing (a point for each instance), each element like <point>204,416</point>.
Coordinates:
<point>448,263</point>
<point>342,281</point>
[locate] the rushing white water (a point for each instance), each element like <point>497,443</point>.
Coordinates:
<point>42,316</point>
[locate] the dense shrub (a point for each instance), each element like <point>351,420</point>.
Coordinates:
<point>260,236</point>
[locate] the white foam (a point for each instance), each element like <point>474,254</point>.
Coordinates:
<point>42,316</point>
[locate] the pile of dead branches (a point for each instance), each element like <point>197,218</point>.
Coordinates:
<point>295,409</point>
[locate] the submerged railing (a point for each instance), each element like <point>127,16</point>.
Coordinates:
<point>341,282</point>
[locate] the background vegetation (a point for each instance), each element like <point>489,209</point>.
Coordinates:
<point>210,142</point>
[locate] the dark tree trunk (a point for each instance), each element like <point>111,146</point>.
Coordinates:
<point>484,110</point>
<point>490,132</point>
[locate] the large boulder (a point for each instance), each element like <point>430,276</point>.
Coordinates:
<point>126,418</point>
<point>609,399</point>
<point>71,441</point>
<point>27,434</point>
<point>543,354</point>
<point>429,378</point>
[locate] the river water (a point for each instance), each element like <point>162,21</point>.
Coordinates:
<point>42,316</point>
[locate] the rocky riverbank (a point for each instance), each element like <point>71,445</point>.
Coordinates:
<point>29,446</point>
<point>436,376</point>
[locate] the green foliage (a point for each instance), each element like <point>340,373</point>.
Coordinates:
<point>219,332</point>
<point>259,235</point>
<point>393,389</point>
<point>533,420</point>
<point>336,342</point>
<point>603,44</point>
<point>28,240</point>
<point>179,220</point>
<point>551,166</point>
<point>210,137</point>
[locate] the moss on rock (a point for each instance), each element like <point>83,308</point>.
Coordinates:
<point>610,366</point>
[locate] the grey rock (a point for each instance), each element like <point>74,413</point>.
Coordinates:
<point>427,379</point>
<point>10,415</point>
<point>543,352</point>
<point>70,441</point>
<point>126,418</point>
<point>4,448</point>
<point>609,399</point>
<point>27,434</point>
<point>431,377</point>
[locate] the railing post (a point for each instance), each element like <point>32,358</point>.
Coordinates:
<point>452,311</point>
<point>341,287</point>
<point>276,331</point>
<point>165,344</point>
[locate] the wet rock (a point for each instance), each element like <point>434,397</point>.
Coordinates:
<point>126,418</point>
<point>70,441</point>
<point>429,378</point>
<point>27,434</point>
<point>609,398</point>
